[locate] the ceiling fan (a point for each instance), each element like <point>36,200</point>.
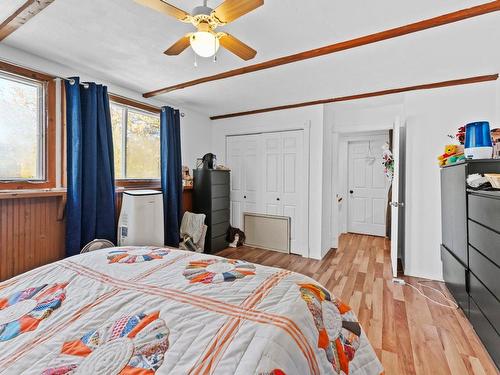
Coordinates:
<point>206,41</point>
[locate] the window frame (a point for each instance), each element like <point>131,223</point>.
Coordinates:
<point>153,183</point>
<point>48,130</point>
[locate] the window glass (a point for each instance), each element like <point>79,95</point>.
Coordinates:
<point>117,118</point>
<point>136,137</point>
<point>21,129</point>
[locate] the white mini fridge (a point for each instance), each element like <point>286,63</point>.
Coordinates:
<point>141,219</point>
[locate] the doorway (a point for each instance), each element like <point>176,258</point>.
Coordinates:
<point>362,146</point>
<point>368,185</point>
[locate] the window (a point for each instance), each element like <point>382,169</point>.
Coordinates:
<point>136,142</point>
<point>26,130</point>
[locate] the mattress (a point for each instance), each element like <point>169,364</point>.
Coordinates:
<point>146,310</point>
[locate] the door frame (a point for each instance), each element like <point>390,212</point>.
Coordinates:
<point>306,128</point>
<point>343,161</point>
<point>383,136</point>
<point>339,156</point>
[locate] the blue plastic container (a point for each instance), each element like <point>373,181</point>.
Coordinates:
<point>478,143</point>
<point>477,134</point>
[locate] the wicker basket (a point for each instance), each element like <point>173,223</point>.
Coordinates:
<point>494,179</point>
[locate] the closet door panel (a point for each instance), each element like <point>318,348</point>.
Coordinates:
<point>251,162</point>
<point>273,173</point>
<point>234,160</point>
<point>243,158</point>
<point>291,196</point>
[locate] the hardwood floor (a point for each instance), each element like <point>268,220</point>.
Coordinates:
<point>410,334</point>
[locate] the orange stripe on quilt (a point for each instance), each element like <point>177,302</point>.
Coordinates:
<point>83,310</point>
<point>233,323</point>
<point>209,304</point>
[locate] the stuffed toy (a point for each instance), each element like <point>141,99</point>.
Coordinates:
<point>452,154</point>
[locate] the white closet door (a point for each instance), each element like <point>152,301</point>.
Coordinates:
<point>285,183</point>
<point>273,173</point>
<point>235,163</point>
<point>251,178</point>
<point>243,160</point>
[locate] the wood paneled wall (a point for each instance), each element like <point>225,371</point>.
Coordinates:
<point>30,234</point>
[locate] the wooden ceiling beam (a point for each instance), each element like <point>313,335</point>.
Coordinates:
<point>427,86</point>
<point>26,12</point>
<point>445,19</point>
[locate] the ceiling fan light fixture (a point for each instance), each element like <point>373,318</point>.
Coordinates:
<point>204,43</point>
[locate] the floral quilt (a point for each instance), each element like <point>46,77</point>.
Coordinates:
<point>146,310</point>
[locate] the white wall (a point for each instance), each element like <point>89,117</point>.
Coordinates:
<point>300,118</point>
<point>195,127</point>
<point>430,116</point>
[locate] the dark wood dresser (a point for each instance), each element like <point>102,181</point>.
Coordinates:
<point>211,197</point>
<point>470,248</point>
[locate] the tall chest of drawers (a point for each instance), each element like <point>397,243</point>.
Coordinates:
<point>470,249</point>
<point>211,197</point>
<point>484,268</point>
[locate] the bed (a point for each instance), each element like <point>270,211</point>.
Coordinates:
<point>146,310</point>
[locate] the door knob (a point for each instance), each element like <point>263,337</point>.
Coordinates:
<point>245,197</point>
<point>351,191</point>
<point>277,199</point>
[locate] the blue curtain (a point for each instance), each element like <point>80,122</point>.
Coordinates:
<point>90,209</point>
<point>171,173</point>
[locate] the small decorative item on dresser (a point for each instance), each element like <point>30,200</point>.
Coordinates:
<point>452,154</point>
<point>495,135</point>
<point>460,136</point>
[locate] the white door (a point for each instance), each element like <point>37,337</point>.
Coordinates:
<point>398,189</point>
<point>285,182</point>
<point>243,158</point>
<point>368,187</point>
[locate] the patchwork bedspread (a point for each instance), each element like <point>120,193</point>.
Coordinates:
<point>148,310</point>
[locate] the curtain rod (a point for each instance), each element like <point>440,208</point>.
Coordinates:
<point>86,85</point>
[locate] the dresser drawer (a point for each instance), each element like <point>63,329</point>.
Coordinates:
<point>219,229</point>
<point>221,216</point>
<point>486,301</point>
<point>485,240</point>
<point>489,337</point>
<point>485,211</point>
<point>220,178</point>
<point>220,203</point>
<point>219,191</point>
<point>455,277</point>
<point>486,271</point>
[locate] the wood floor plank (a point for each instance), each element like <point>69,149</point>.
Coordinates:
<point>410,334</point>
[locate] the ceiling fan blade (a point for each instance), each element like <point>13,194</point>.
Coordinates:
<point>166,8</point>
<point>230,10</point>
<point>179,46</point>
<point>237,47</point>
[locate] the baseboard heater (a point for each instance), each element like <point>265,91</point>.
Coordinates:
<point>269,232</point>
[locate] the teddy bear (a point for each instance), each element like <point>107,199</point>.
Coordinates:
<point>452,154</point>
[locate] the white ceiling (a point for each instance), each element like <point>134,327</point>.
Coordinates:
<point>8,7</point>
<point>123,42</point>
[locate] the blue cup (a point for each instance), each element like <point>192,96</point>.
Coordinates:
<point>477,134</point>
